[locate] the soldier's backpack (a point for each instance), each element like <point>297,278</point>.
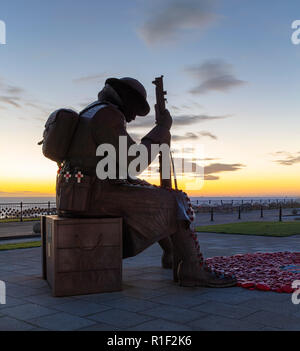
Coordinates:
<point>59,131</point>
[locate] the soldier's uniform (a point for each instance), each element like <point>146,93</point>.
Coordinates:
<point>149,213</point>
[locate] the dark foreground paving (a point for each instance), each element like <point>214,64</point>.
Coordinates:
<point>149,300</point>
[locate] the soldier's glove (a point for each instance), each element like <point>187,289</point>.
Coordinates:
<point>163,119</point>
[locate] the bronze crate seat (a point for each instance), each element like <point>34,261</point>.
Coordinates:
<point>82,255</point>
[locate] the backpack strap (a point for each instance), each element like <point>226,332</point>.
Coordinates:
<point>92,109</point>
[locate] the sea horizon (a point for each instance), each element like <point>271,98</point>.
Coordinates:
<point>45,199</point>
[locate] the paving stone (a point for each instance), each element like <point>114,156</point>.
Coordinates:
<point>285,307</point>
<point>183,291</point>
<point>218,295</point>
<point>218,323</point>
<point>120,318</point>
<point>270,329</point>
<point>12,324</point>
<point>131,304</point>
<point>47,299</point>
<point>174,314</point>
<point>38,329</point>
<point>177,300</point>
<point>34,283</point>
<point>267,295</point>
<point>141,293</point>
<point>273,319</point>
<point>61,322</point>
<point>100,327</point>
<point>150,300</point>
<point>21,291</point>
<point>149,284</point>
<point>161,325</point>
<point>81,308</point>
<point>12,301</point>
<point>14,277</point>
<point>12,268</point>
<point>100,298</point>
<point>223,309</point>
<point>27,311</point>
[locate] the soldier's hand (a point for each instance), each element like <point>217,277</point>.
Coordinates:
<point>164,118</point>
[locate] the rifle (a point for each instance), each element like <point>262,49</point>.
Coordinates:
<point>161,103</point>
<point>166,243</point>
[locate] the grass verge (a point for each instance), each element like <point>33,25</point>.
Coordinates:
<point>17,246</point>
<point>278,229</point>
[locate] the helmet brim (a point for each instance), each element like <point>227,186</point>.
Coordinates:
<point>122,88</point>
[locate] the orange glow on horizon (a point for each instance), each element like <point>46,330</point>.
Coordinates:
<point>227,185</point>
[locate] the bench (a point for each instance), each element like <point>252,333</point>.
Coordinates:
<point>82,255</point>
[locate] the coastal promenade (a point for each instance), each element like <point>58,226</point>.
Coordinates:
<point>149,299</point>
<point>14,230</point>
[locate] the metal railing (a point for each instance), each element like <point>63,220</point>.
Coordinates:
<point>30,210</point>
<point>25,210</point>
<point>244,205</point>
<point>238,207</point>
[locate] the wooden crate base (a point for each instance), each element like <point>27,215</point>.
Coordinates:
<point>82,255</point>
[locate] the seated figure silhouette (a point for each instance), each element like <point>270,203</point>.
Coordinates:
<point>150,214</point>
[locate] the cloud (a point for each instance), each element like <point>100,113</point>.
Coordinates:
<point>39,107</point>
<point>10,94</point>
<point>178,121</point>
<point>171,18</point>
<point>208,134</point>
<point>14,90</point>
<point>183,109</point>
<point>211,177</point>
<point>15,96</point>
<point>222,167</point>
<point>209,170</point>
<point>193,136</point>
<point>91,78</point>
<point>183,120</point>
<point>10,100</point>
<point>213,75</point>
<point>288,159</point>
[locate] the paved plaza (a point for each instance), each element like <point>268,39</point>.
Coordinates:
<point>149,300</point>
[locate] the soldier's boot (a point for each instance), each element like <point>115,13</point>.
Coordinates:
<point>167,256</point>
<point>189,267</point>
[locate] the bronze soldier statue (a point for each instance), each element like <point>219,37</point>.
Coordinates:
<point>150,214</point>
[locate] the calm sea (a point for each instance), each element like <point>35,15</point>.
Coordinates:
<point>201,198</point>
<point>9,200</point>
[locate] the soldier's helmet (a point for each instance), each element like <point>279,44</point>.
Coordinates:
<point>132,93</point>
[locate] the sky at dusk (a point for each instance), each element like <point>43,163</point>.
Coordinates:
<point>231,71</point>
